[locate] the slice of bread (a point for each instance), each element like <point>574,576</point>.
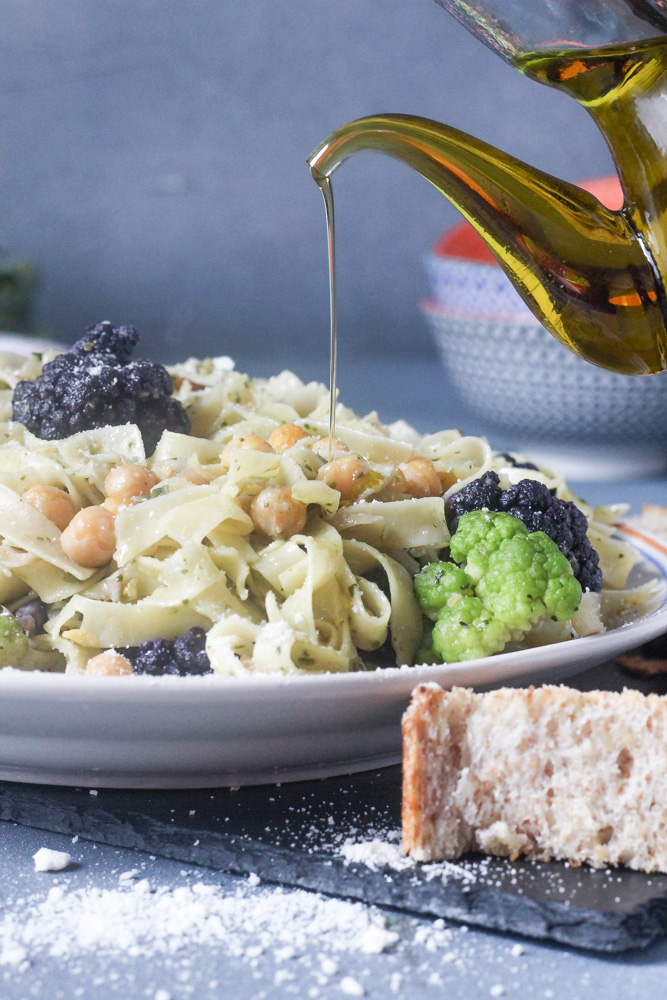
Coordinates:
<point>545,772</point>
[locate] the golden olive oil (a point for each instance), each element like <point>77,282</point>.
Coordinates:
<point>595,277</point>
<point>624,88</point>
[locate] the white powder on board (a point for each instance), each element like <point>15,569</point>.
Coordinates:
<point>310,942</point>
<point>375,854</point>
<point>378,854</point>
<point>139,921</point>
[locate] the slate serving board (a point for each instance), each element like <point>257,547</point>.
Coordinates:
<point>292,835</point>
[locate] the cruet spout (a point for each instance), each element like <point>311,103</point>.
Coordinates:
<point>594,277</point>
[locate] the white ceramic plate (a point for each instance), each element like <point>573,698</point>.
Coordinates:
<point>189,732</point>
<point>22,343</point>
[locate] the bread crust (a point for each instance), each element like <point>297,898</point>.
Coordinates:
<point>419,749</point>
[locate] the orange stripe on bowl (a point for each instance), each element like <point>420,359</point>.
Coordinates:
<point>653,542</point>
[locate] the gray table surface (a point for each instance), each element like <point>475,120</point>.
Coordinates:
<point>485,964</point>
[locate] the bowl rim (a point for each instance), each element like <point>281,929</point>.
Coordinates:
<point>524,317</point>
<point>447,259</point>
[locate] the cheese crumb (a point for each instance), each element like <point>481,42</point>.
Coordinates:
<point>12,954</point>
<point>51,861</point>
<point>352,987</point>
<point>284,954</point>
<point>377,939</point>
<point>328,966</point>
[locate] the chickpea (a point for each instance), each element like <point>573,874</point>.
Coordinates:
<point>421,478</point>
<point>321,447</point>
<point>90,538</point>
<point>345,475</point>
<point>286,436</point>
<point>126,483</point>
<point>276,514</point>
<point>447,479</point>
<point>53,503</point>
<point>252,441</point>
<point>396,486</point>
<point>109,664</point>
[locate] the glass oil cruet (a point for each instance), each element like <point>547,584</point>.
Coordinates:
<point>594,277</point>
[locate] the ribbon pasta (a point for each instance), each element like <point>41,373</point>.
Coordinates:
<point>188,554</point>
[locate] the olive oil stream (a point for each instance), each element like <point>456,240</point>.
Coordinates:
<point>595,278</point>
<point>327,194</point>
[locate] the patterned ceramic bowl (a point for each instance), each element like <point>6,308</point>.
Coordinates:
<point>468,286</point>
<point>518,378</point>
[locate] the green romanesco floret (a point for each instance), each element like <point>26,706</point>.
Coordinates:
<point>425,651</point>
<point>479,534</point>
<point>466,630</point>
<point>509,580</point>
<point>13,641</point>
<point>528,578</point>
<point>436,583</point>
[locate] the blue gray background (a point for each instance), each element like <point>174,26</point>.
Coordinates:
<point>153,162</point>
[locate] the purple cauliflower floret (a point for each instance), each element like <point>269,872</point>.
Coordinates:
<point>511,460</point>
<point>481,494</point>
<point>533,503</point>
<point>32,616</point>
<point>120,341</point>
<point>180,657</point>
<point>96,384</point>
<point>562,521</point>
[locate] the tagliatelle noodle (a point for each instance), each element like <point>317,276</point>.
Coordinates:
<point>396,524</point>
<point>405,615</point>
<point>173,605</point>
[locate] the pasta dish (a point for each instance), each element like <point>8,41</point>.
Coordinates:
<point>244,537</point>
